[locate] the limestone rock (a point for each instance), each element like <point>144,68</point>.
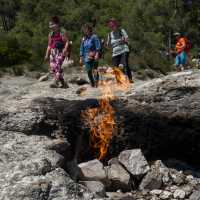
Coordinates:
<point>155,192</point>
<point>152,180</point>
<point>165,195</point>
<point>92,171</point>
<point>119,177</point>
<point>96,187</point>
<point>44,77</point>
<point>180,194</point>
<point>134,162</point>
<point>195,195</point>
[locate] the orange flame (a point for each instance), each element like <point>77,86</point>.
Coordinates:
<point>101,120</point>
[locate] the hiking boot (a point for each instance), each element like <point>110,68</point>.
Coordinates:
<point>131,81</point>
<point>92,84</point>
<point>96,84</point>
<point>64,84</point>
<point>182,69</point>
<point>54,84</point>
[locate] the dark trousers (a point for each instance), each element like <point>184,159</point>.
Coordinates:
<point>123,59</point>
<point>91,68</point>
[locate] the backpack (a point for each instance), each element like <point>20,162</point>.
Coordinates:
<point>121,35</point>
<point>188,45</point>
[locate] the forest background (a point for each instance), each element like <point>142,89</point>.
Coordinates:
<point>150,25</point>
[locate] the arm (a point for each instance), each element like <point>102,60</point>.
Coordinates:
<point>97,46</point>
<point>81,53</point>
<point>66,40</point>
<point>180,45</point>
<point>124,36</point>
<point>107,43</point>
<point>48,48</point>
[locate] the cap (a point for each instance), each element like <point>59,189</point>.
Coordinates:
<point>177,34</point>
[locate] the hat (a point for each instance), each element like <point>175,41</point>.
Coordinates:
<point>177,34</point>
<point>113,21</point>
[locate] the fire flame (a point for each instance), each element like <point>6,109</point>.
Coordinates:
<point>101,120</point>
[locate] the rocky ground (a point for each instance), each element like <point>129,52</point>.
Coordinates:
<point>45,154</point>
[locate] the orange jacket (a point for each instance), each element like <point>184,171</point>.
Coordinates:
<point>180,45</point>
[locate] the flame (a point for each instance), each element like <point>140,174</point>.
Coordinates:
<point>101,120</point>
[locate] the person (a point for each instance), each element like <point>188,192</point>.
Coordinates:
<point>89,53</point>
<point>58,43</point>
<point>118,40</point>
<point>181,50</point>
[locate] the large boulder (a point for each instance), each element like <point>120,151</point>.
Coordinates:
<point>92,171</point>
<point>134,161</point>
<point>119,177</point>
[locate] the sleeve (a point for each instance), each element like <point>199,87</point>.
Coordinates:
<point>124,33</point>
<point>97,43</point>
<point>183,42</point>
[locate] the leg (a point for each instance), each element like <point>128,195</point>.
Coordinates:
<point>183,57</point>
<point>124,61</point>
<point>89,69</point>
<point>177,62</point>
<point>90,76</point>
<point>116,61</point>
<point>96,73</point>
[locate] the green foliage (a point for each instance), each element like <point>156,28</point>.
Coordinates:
<point>149,23</point>
<point>10,52</point>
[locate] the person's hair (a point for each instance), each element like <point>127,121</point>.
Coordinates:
<point>55,20</point>
<point>88,27</point>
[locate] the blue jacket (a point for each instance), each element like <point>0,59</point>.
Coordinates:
<point>88,44</point>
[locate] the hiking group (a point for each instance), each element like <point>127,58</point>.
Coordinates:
<point>91,48</point>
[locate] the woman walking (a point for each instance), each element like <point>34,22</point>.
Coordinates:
<point>57,50</point>
<point>89,54</point>
<point>118,40</point>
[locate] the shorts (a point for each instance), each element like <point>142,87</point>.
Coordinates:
<point>181,58</point>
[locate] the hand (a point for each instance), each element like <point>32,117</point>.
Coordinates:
<point>124,40</point>
<point>81,61</point>
<point>64,52</point>
<point>96,56</point>
<point>46,58</point>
